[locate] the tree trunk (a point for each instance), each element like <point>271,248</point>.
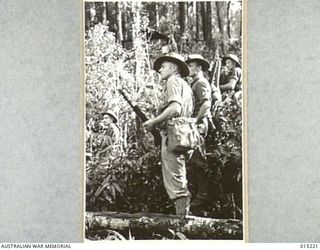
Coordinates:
<point>198,20</point>
<point>169,13</point>
<point>145,225</point>
<point>182,17</point>
<point>92,15</point>
<point>157,15</point>
<point>124,21</point>
<point>209,24</point>
<point>137,41</point>
<point>107,11</point>
<point>219,18</point>
<point>228,20</point>
<point>220,25</point>
<point>187,16</point>
<point>99,6</point>
<point>240,27</point>
<point>194,21</point>
<point>204,21</point>
<point>104,13</point>
<point>119,22</point>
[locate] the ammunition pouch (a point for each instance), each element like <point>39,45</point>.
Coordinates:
<point>183,134</point>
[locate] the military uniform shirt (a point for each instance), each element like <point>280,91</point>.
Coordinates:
<point>174,164</point>
<point>202,92</point>
<point>236,74</point>
<point>111,135</point>
<point>177,90</point>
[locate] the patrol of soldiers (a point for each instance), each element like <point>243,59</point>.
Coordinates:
<point>164,127</point>
<point>185,101</point>
<point>182,100</point>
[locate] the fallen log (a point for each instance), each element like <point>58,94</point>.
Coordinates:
<point>147,225</point>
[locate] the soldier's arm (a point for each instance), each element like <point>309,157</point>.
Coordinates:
<point>229,86</point>
<point>234,78</point>
<point>115,135</point>
<point>174,92</point>
<point>173,109</point>
<point>203,91</point>
<point>204,109</point>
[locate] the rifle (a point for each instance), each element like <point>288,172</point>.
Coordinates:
<point>215,78</point>
<point>155,132</point>
<point>214,83</point>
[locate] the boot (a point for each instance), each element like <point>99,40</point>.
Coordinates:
<point>182,205</point>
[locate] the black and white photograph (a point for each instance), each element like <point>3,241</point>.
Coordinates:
<point>164,91</point>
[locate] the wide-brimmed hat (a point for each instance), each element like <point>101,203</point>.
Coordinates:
<point>174,58</point>
<point>233,58</point>
<point>112,114</point>
<point>200,60</point>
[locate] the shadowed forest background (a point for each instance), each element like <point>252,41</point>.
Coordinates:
<point>122,40</point>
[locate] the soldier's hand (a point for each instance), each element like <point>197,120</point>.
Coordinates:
<point>149,125</point>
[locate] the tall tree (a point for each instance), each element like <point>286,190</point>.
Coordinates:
<point>107,10</point>
<point>99,6</point>
<point>137,39</point>
<point>187,17</point>
<point>240,25</point>
<point>119,21</point>
<point>156,6</point>
<point>194,21</point>
<point>124,22</point>
<point>220,25</point>
<point>204,21</point>
<point>182,17</point>
<point>198,15</point>
<point>228,20</point>
<point>92,14</point>
<point>209,24</point>
<point>169,11</point>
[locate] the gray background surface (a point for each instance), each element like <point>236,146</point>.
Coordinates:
<point>40,174</point>
<point>283,120</point>
<point>40,121</point>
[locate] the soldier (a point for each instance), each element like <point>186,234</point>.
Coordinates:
<point>178,103</point>
<point>110,136</point>
<point>202,94</point>
<point>231,74</point>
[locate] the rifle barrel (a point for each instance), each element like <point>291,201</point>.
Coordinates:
<point>142,116</point>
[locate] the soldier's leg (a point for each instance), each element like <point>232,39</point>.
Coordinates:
<point>199,166</point>
<point>174,177</point>
<point>182,205</point>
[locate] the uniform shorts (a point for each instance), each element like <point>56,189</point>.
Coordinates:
<point>173,170</point>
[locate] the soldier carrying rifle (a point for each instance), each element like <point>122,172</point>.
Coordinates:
<point>178,103</point>
<point>202,93</point>
<point>110,136</point>
<point>231,74</point>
